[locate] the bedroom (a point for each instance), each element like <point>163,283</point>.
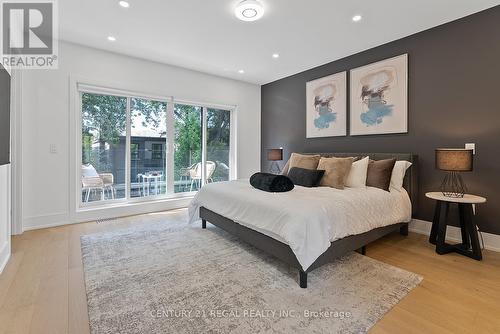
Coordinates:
<point>118,128</point>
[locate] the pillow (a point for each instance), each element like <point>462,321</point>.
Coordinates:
<point>379,173</point>
<point>271,182</point>
<point>336,171</point>
<point>398,174</point>
<point>286,168</point>
<point>301,161</point>
<point>357,174</point>
<point>305,177</point>
<point>89,171</point>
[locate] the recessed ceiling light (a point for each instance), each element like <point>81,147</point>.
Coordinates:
<point>276,55</point>
<point>124,4</point>
<point>241,71</point>
<point>356,18</point>
<point>249,10</point>
<point>111,38</point>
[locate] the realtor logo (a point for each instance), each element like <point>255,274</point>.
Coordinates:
<point>29,34</point>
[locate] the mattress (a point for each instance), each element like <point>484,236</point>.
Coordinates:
<point>306,219</point>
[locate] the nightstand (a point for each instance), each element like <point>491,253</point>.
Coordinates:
<point>470,243</point>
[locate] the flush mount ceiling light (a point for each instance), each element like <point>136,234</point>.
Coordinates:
<point>124,4</point>
<point>249,10</point>
<point>241,71</point>
<point>111,38</point>
<point>276,55</point>
<point>356,18</point>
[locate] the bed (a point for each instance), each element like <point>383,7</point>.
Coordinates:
<point>308,227</point>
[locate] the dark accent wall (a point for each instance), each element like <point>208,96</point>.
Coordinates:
<point>4,116</point>
<point>454,98</point>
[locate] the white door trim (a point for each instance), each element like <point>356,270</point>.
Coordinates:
<point>16,151</point>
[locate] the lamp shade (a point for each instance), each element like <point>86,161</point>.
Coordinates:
<point>454,159</point>
<point>275,154</point>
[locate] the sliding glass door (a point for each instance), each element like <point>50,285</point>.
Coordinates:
<point>218,145</point>
<point>136,148</point>
<point>148,143</point>
<point>103,134</point>
<point>187,148</point>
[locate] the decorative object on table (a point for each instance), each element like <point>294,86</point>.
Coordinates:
<point>326,106</point>
<point>379,97</point>
<point>274,155</point>
<point>470,242</point>
<point>454,161</point>
<point>271,182</point>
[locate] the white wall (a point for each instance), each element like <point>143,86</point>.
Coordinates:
<point>45,108</point>
<point>4,215</point>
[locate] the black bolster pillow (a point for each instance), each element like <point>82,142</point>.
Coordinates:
<point>271,182</point>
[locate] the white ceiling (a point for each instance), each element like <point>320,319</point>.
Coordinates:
<point>205,35</point>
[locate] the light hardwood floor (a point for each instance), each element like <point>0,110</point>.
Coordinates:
<point>42,288</point>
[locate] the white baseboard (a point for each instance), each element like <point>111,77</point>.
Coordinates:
<point>45,221</point>
<point>64,218</point>
<point>4,256</point>
<point>491,241</point>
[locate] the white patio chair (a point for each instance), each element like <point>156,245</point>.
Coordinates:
<point>195,173</point>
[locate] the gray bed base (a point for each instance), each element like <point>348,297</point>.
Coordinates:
<point>337,248</point>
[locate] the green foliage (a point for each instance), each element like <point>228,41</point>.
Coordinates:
<point>187,140</point>
<point>104,117</point>
<point>153,111</point>
<point>104,122</point>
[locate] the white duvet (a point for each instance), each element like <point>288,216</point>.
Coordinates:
<point>307,219</point>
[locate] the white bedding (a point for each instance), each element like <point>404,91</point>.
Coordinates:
<point>307,219</point>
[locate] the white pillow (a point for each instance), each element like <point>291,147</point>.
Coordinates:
<point>357,174</point>
<point>89,171</point>
<point>398,174</point>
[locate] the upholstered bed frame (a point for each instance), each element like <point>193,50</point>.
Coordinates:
<point>337,248</point>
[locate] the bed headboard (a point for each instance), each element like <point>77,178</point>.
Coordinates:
<point>410,182</point>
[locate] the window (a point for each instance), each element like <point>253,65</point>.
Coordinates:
<point>157,151</point>
<point>148,132</point>
<point>187,147</point>
<point>218,145</point>
<point>134,151</point>
<point>103,147</point>
<point>136,148</point>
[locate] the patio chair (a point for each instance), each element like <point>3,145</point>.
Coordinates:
<point>185,176</point>
<point>93,181</point>
<point>195,173</point>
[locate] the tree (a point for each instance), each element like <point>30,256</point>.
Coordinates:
<point>104,121</point>
<point>187,137</point>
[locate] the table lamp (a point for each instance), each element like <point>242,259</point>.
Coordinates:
<point>454,161</point>
<point>274,155</point>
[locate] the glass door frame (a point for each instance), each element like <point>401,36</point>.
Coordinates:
<point>82,88</point>
<point>232,140</point>
<point>90,89</point>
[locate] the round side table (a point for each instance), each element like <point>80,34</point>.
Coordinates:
<point>470,243</point>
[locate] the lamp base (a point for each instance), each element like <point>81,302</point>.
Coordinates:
<point>275,168</point>
<point>453,185</point>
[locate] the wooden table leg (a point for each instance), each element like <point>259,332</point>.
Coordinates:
<point>472,232</point>
<point>441,231</point>
<point>435,223</point>
<point>463,226</point>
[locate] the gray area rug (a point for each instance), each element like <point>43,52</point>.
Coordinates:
<point>169,277</point>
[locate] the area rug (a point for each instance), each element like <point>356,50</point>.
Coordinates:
<point>170,277</point>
